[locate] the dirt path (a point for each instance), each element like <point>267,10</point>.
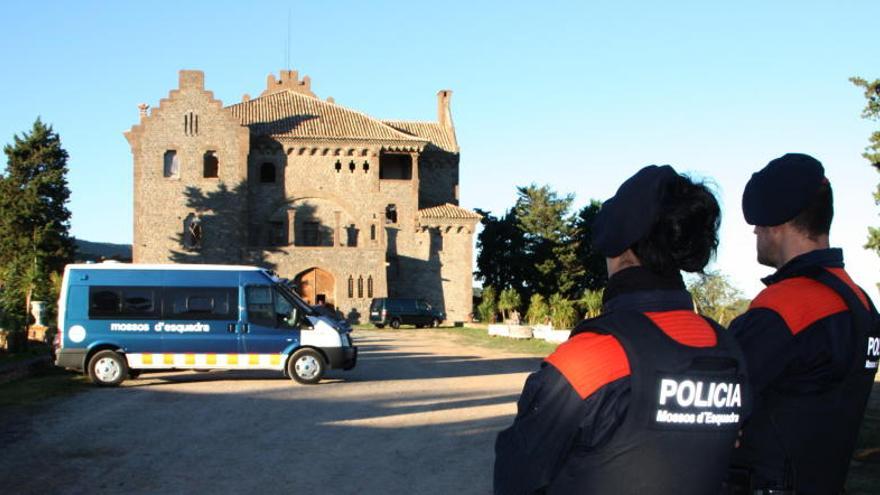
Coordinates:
<point>418,415</point>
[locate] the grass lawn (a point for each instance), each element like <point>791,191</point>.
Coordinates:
<point>480,337</point>
<point>47,383</point>
<point>34,350</point>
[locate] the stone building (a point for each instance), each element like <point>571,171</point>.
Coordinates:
<point>348,206</point>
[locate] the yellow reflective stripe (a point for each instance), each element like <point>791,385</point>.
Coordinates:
<point>196,360</point>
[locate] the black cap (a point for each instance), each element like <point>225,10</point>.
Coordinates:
<point>631,213</point>
<point>778,192</point>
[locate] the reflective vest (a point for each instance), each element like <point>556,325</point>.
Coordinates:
<point>805,441</point>
<point>686,405</point>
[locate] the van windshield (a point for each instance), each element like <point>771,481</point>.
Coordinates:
<point>295,299</point>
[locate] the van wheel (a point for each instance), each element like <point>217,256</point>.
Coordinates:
<point>306,366</point>
<point>379,325</point>
<point>107,369</point>
<point>395,323</point>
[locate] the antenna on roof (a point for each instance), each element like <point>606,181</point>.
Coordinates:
<point>287,54</point>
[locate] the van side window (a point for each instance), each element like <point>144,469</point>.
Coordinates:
<point>259,305</point>
<point>104,301</point>
<point>122,302</point>
<point>201,303</point>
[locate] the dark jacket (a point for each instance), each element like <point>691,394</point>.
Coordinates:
<point>590,421</point>
<point>806,341</point>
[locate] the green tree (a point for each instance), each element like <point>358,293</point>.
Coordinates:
<point>550,244</point>
<point>595,274</point>
<point>714,296</point>
<point>34,221</point>
<point>872,151</point>
<point>501,260</point>
<point>487,307</point>
<point>539,311</point>
<point>509,300</point>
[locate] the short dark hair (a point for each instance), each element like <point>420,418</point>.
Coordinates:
<point>815,219</point>
<point>685,235</point>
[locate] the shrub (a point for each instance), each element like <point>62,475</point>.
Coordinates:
<point>508,301</point>
<point>539,311</point>
<point>487,307</point>
<point>590,303</point>
<point>562,312</point>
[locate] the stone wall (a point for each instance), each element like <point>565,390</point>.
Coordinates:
<point>190,122</point>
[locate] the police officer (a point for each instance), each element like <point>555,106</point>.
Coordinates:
<point>646,398</point>
<point>810,339</point>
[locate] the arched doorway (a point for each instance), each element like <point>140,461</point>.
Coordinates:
<point>317,286</point>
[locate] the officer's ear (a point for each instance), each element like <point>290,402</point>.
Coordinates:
<point>626,259</point>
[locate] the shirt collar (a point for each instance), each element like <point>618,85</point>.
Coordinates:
<point>639,289</point>
<point>797,266</point>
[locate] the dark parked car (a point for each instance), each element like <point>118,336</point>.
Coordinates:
<point>395,311</point>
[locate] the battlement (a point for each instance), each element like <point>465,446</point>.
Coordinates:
<point>289,80</point>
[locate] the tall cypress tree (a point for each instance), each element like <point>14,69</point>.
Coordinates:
<point>34,221</point>
<point>872,151</point>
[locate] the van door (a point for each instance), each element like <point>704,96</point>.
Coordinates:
<point>200,320</point>
<point>272,322</point>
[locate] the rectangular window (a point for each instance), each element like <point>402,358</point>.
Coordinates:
<point>123,302</point>
<point>259,305</point>
<point>277,234</point>
<point>201,303</point>
<point>311,233</point>
<point>396,166</point>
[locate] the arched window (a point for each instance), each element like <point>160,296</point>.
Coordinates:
<point>360,286</point>
<point>391,213</point>
<point>370,286</point>
<point>210,165</point>
<point>350,287</point>
<point>192,232</point>
<point>373,232</point>
<point>171,166</point>
<point>267,173</point>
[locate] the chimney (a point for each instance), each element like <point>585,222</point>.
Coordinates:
<point>143,110</point>
<point>444,117</point>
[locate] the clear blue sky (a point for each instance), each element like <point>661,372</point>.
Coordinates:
<point>578,95</point>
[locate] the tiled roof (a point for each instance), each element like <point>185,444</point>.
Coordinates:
<point>439,135</point>
<point>287,114</point>
<point>448,210</point>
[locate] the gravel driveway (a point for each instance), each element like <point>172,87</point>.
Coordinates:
<point>418,415</point>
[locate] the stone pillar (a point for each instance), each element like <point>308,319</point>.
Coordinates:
<point>291,226</point>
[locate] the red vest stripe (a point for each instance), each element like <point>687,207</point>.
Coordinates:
<point>843,276</point>
<point>800,301</point>
<point>590,361</point>
<point>685,327</point>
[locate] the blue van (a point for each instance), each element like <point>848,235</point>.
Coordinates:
<point>116,320</point>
